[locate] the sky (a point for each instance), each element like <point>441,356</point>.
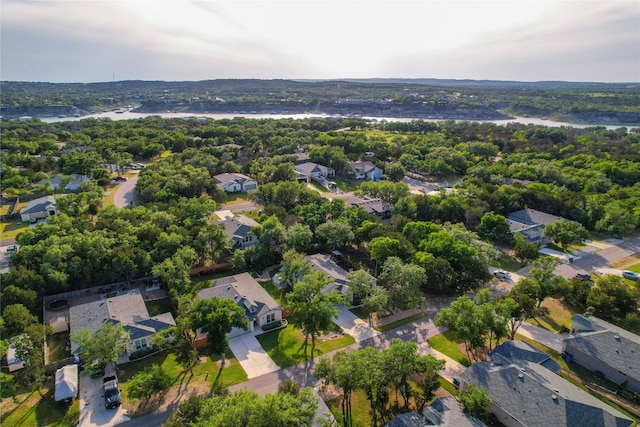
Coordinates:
<point>178,40</point>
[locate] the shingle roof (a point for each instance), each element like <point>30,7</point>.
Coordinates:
<point>536,397</point>
<point>309,168</point>
<point>227,178</point>
<point>534,217</point>
<point>366,165</point>
<point>325,264</point>
<point>442,412</point>
<point>38,205</point>
<point>613,346</point>
<point>150,326</point>
<point>245,291</point>
<point>237,226</point>
<point>521,350</point>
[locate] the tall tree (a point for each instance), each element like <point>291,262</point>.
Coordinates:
<point>312,310</point>
<point>216,317</point>
<point>104,345</point>
<point>465,318</point>
<point>566,233</point>
<point>475,401</point>
<point>403,281</point>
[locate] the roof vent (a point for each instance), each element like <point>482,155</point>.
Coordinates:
<point>520,376</point>
<point>617,337</point>
<point>556,390</point>
<point>522,369</point>
<point>554,397</point>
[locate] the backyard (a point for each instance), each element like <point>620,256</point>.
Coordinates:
<point>37,408</point>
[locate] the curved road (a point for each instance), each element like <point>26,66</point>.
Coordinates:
<point>125,192</point>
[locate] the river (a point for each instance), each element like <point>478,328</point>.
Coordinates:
<point>128,115</point>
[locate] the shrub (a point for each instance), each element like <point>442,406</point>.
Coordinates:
<point>145,384</point>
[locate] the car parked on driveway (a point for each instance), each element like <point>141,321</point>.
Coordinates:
<point>502,275</point>
<point>110,388</point>
<point>632,275</point>
<point>582,277</point>
<point>120,179</point>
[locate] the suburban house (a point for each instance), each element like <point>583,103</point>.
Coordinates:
<point>375,207</point>
<point>308,170</point>
<point>55,183</point>
<point>530,223</point>
<point>443,412</point>
<point>39,208</point>
<point>521,350</point>
<point>235,182</point>
<point>328,266</point>
<point>126,308</point>
<point>76,182</point>
<point>238,230</point>
<point>526,393</point>
<point>366,170</point>
<point>605,349</point>
<point>261,309</point>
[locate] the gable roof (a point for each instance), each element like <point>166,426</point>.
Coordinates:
<point>40,204</point>
<point>366,166</point>
<point>521,350</point>
<point>245,291</point>
<point>237,226</point>
<point>324,263</point>
<point>228,178</point>
<point>533,217</point>
<point>309,168</point>
<point>611,345</point>
<point>444,411</point>
<point>127,309</point>
<point>373,206</point>
<point>535,396</point>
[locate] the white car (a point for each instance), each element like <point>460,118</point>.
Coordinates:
<point>501,274</point>
<point>632,275</point>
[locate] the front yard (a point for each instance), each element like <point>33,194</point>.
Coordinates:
<point>285,346</point>
<point>38,408</point>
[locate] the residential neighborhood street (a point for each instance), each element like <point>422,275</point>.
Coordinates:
<point>125,192</point>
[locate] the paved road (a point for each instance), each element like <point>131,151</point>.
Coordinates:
<point>125,192</point>
<point>602,259</point>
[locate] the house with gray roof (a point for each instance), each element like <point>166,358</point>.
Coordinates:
<point>328,266</point>
<point>126,308</point>
<point>366,170</point>
<point>526,394</point>
<point>605,349</point>
<point>310,170</point>
<point>444,412</point>
<point>238,230</point>
<point>39,208</point>
<point>530,223</point>
<point>76,182</point>
<point>375,207</point>
<point>235,182</point>
<point>260,307</point>
<point>521,350</point>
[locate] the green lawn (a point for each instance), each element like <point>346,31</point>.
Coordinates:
<point>210,277</point>
<point>158,307</point>
<point>401,322</point>
<point>9,230</point>
<point>507,263</point>
<point>273,291</point>
<point>285,346</point>
<point>447,343</point>
<point>344,185</point>
<point>237,197</point>
<point>32,409</point>
<point>206,371</point>
<point>360,407</point>
<point>559,316</point>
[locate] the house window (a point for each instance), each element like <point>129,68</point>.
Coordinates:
<point>271,317</point>
<point>140,344</point>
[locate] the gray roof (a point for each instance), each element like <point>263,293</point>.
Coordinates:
<point>536,397</point>
<point>76,181</point>
<point>324,263</point>
<point>127,309</point>
<point>521,350</point>
<point>40,204</point>
<point>237,226</point>
<point>309,168</point>
<point>533,217</point>
<point>245,291</point>
<point>54,182</point>
<point>373,206</point>
<point>613,346</point>
<point>227,178</point>
<point>442,412</point>
<point>366,165</point>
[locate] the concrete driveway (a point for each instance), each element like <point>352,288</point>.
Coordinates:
<point>92,409</point>
<point>125,192</point>
<point>252,357</point>
<point>354,326</point>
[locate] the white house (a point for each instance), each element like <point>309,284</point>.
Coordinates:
<point>366,170</point>
<point>310,170</point>
<point>238,229</point>
<point>235,182</point>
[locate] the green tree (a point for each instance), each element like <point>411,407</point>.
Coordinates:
<point>403,281</point>
<point>17,318</point>
<point>151,381</point>
<point>524,250</point>
<point>216,317</point>
<point>294,268</point>
<point>375,302</point>
<point>494,227</point>
<point>475,401</point>
<point>566,233</point>
<point>465,318</point>
<point>335,234</point>
<point>312,310</point>
<point>103,345</point>
<point>525,295</point>
<point>395,171</point>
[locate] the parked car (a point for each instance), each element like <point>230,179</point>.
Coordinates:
<point>632,275</point>
<point>501,274</point>
<point>120,178</point>
<point>110,387</point>
<point>582,277</point>
<point>12,248</point>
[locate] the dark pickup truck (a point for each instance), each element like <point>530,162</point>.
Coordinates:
<point>111,391</point>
